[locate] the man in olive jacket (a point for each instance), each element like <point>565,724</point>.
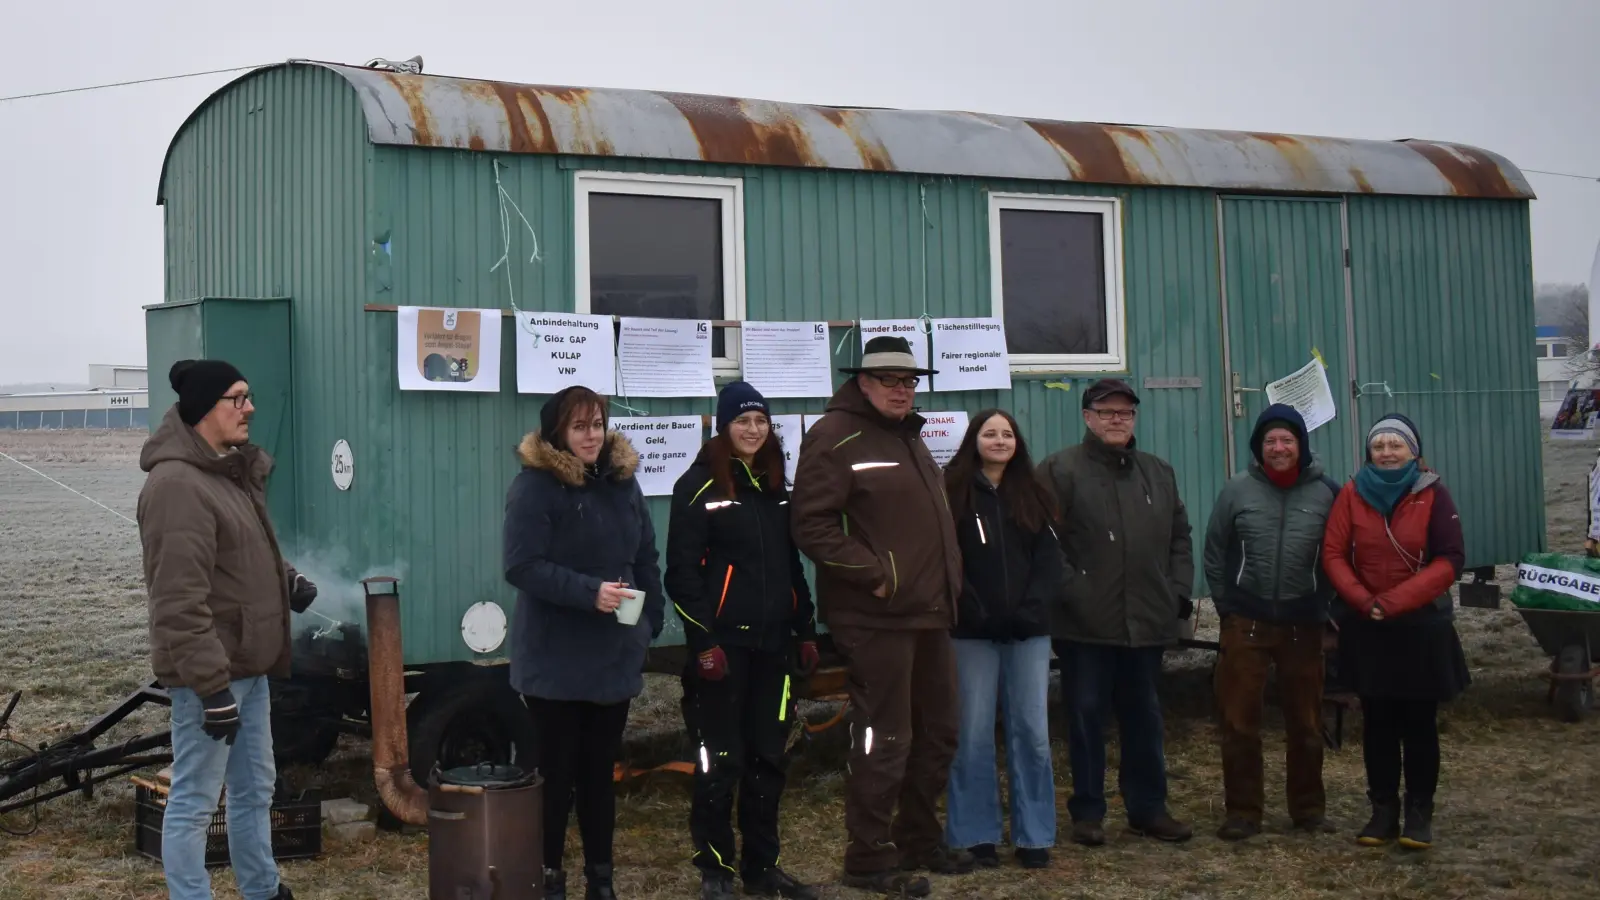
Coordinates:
<point>869,509</point>
<point>219,596</point>
<point>1130,571</point>
<point>1263,562</point>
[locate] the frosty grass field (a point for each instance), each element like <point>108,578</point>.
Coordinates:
<point>1518,810</point>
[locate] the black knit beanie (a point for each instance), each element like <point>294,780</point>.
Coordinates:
<point>735,400</point>
<point>200,383</point>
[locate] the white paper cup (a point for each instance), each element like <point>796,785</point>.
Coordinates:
<point>632,605</point>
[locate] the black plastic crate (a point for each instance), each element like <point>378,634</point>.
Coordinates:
<point>296,827</point>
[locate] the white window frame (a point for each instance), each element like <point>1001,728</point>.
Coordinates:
<point>1110,211</point>
<point>730,191</point>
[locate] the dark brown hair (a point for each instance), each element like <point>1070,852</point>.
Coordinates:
<point>577,400</point>
<point>1030,505</point>
<point>768,463</point>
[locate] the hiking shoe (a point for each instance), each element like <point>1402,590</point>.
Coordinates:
<point>941,860</point>
<point>1033,857</point>
<point>1384,826</point>
<point>599,885</point>
<point>1163,828</point>
<point>985,856</point>
<point>1237,828</point>
<point>1316,825</point>
<point>555,884</point>
<point>775,882</point>
<point>716,886</point>
<point>1418,833</point>
<point>1089,833</point>
<point>891,882</point>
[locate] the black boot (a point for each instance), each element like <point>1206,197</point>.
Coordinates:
<point>555,884</point>
<point>1418,834</point>
<point>599,882</point>
<point>1384,826</point>
<point>716,886</point>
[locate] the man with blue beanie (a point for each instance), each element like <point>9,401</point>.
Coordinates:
<point>1263,555</point>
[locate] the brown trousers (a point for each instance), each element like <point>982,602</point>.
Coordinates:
<point>904,722</point>
<point>1248,648</point>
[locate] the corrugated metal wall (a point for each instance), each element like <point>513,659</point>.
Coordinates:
<point>1443,309</point>
<point>265,195</point>
<point>819,245</point>
<point>359,224</point>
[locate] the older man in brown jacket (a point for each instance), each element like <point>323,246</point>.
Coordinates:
<point>219,600</point>
<point>869,508</point>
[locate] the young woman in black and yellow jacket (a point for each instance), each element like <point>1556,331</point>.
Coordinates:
<point>734,575</point>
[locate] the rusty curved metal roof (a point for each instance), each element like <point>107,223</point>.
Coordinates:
<point>446,112</point>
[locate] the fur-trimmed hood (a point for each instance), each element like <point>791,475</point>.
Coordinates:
<point>618,458</point>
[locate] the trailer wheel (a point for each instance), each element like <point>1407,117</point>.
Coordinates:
<point>302,740</point>
<point>1573,695</point>
<point>465,724</point>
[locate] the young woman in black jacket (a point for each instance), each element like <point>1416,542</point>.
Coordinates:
<point>578,539</point>
<point>1013,569</point>
<point>734,575</point>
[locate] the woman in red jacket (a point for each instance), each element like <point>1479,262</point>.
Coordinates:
<point>1392,549</point>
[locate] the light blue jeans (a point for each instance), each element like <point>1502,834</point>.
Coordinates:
<point>200,765</point>
<point>1015,675</point>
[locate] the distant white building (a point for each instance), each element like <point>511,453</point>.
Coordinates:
<point>117,398</point>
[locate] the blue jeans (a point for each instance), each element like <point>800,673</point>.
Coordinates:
<point>200,765</point>
<point>1018,676</point>
<point>1099,680</point>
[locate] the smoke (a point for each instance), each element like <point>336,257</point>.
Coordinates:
<point>340,597</point>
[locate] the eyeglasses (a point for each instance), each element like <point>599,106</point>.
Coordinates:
<point>239,400</point>
<point>894,381</point>
<point>1121,415</point>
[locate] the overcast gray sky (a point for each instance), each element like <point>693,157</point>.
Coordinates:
<point>81,247</point>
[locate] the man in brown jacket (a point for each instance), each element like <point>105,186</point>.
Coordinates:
<point>219,600</point>
<point>869,508</point>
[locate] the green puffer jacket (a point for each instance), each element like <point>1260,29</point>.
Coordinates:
<point>1125,534</point>
<point>1263,549</point>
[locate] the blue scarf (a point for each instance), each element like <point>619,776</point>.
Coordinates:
<point>1383,488</point>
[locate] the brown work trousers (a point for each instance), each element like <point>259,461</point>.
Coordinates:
<point>1248,648</point>
<point>904,722</point>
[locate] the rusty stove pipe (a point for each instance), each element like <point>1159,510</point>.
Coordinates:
<point>391,758</point>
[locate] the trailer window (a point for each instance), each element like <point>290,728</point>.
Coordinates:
<point>1056,280</point>
<point>667,247</point>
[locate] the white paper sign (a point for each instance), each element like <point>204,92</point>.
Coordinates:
<point>787,359</point>
<point>942,433</point>
<point>811,420</point>
<point>970,355</point>
<point>667,446</point>
<point>665,358</point>
<point>789,429</point>
<point>910,329</point>
<point>1308,392</point>
<point>448,349</point>
<point>558,350</point>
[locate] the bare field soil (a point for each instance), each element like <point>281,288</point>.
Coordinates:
<point>1518,807</point>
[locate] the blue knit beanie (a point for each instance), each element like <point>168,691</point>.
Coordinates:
<point>737,399</point>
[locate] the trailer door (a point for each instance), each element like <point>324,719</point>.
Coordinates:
<point>255,335</point>
<point>1286,303</point>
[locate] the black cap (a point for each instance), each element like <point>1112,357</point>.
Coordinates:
<point>200,383</point>
<point>1108,387</point>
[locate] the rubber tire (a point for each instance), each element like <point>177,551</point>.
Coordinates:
<point>1573,697</point>
<point>302,741</point>
<point>435,717</point>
